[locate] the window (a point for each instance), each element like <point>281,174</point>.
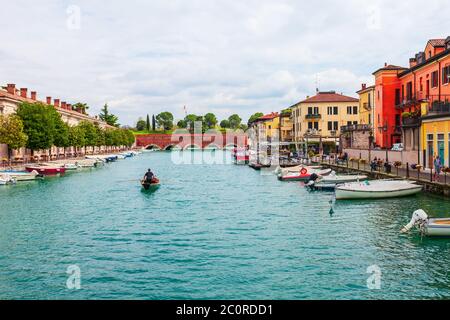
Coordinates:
<point>409,91</point>
<point>378,118</point>
<point>397,97</point>
<point>435,79</point>
<point>370,118</point>
<point>335,110</point>
<point>316,125</point>
<point>349,110</point>
<point>349,123</point>
<point>430,137</point>
<point>316,110</point>
<point>330,125</point>
<point>310,110</point>
<point>440,137</point>
<point>446,75</point>
<point>403,92</point>
<point>335,126</point>
<point>330,110</point>
<point>355,110</point>
<point>355,123</point>
<point>310,125</point>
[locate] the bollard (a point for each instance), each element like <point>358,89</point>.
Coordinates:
<point>431,175</point>
<point>407,170</point>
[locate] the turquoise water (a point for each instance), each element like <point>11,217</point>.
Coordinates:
<point>209,232</point>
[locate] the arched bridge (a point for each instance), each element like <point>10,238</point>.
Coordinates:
<point>191,141</point>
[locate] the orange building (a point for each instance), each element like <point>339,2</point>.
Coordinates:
<point>405,97</point>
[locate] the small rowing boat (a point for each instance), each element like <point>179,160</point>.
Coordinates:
<point>433,227</point>
<point>153,184</point>
<point>331,181</point>
<point>376,189</point>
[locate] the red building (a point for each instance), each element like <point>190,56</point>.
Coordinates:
<point>400,92</point>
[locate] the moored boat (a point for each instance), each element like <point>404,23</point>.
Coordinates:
<point>6,179</point>
<point>433,227</point>
<point>377,189</point>
<point>303,175</point>
<point>22,175</point>
<point>46,170</point>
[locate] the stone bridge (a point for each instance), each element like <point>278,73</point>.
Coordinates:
<point>191,141</point>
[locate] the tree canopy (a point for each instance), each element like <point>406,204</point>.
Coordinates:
<point>108,117</point>
<point>165,120</point>
<point>254,117</point>
<point>235,121</point>
<point>12,132</point>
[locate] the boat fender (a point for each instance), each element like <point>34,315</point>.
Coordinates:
<point>303,171</point>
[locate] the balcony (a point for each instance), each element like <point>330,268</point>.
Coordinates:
<point>367,106</point>
<point>311,133</point>
<point>313,117</point>
<point>356,127</point>
<point>411,122</point>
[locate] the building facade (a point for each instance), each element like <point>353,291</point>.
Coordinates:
<point>11,98</point>
<point>319,118</point>
<point>412,104</point>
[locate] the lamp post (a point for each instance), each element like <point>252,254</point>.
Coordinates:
<point>385,129</point>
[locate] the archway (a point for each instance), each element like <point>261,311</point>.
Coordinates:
<point>153,147</point>
<point>171,147</point>
<point>212,146</point>
<point>192,147</point>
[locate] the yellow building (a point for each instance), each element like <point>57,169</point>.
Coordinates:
<point>268,127</point>
<point>319,118</point>
<point>435,134</point>
<point>366,104</point>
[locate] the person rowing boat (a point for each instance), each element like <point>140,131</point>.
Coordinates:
<point>149,180</point>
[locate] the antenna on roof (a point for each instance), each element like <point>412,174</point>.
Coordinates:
<point>317,83</point>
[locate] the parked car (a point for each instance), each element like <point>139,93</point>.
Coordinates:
<point>397,147</point>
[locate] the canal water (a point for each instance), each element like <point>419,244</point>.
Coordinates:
<point>210,232</point>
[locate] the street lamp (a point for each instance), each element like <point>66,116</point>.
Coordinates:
<point>385,129</point>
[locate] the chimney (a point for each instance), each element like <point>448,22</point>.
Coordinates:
<point>33,95</point>
<point>56,102</point>
<point>412,62</point>
<point>23,92</point>
<point>63,104</point>
<point>69,106</point>
<point>11,88</point>
<point>447,43</point>
<point>49,100</point>
<point>363,86</point>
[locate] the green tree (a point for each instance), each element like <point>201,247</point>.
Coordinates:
<point>153,123</point>
<point>190,121</point>
<point>80,106</point>
<point>107,117</point>
<point>62,133</point>
<point>39,125</point>
<point>147,123</point>
<point>12,133</point>
<point>76,137</point>
<point>210,120</point>
<point>165,120</point>
<point>225,124</point>
<point>90,134</point>
<point>100,134</point>
<point>235,121</point>
<point>254,117</point>
<point>182,124</point>
<point>141,125</point>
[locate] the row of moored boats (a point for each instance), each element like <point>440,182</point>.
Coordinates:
<point>59,167</point>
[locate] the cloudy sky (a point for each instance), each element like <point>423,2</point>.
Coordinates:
<point>219,56</point>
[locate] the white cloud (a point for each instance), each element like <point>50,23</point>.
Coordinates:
<point>212,56</point>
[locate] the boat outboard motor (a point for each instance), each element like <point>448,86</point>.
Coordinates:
<point>419,218</point>
<point>312,180</point>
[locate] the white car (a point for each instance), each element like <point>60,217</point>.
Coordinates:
<point>397,147</point>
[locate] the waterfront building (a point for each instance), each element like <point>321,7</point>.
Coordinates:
<point>412,104</point>
<point>286,126</point>
<point>11,97</point>
<point>360,136</point>
<point>318,119</point>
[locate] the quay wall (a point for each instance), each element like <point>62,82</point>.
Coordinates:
<point>411,157</point>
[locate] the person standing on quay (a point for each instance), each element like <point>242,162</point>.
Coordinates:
<point>437,168</point>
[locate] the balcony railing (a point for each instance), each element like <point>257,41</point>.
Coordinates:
<point>438,104</point>
<point>356,127</point>
<point>411,122</point>
<point>313,116</point>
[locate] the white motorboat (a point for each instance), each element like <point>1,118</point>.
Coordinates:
<point>303,175</point>
<point>377,189</point>
<point>433,227</point>
<point>330,181</point>
<point>280,170</point>
<point>21,175</point>
<point>6,179</point>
